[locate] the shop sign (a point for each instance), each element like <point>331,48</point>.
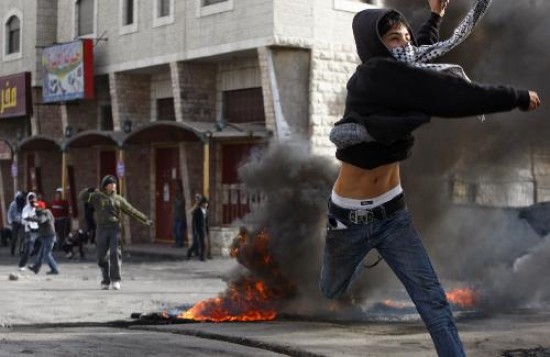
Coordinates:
<point>15,95</point>
<point>68,71</point>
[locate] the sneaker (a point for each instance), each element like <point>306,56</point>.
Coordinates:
<point>52,272</point>
<point>116,285</point>
<point>22,268</point>
<point>104,286</point>
<point>69,255</point>
<point>33,269</point>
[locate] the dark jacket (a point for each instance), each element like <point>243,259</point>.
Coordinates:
<point>391,98</point>
<point>199,223</point>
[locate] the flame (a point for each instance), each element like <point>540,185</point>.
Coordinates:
<point>251,300</point>
<point>465,297</point>
<point>395,304</point>
<point>255,297</point>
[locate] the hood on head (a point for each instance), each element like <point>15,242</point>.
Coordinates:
<point>18,194</point>
<point>107,180</point>
<point>30,195</point>
<point>367,39</point>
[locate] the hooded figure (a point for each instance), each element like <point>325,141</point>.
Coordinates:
<point>380,98</point>
<point>367,208</point>
<point>14,220</point>
<point>353,133</point>
<point>29,210</point>
<point>31,229</point>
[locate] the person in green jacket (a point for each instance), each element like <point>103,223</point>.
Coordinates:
<point>108,207</point>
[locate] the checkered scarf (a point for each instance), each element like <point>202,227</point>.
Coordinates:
<point>421,55</point>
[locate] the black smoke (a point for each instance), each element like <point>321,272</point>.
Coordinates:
<point>482,245</point>
<point>485,245</point>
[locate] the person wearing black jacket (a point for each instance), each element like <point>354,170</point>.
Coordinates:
<point>367,208</point>
<point>199,225</point>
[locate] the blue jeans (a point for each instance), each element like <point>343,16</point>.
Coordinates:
<point>398,243</point>
<point>178,227</point>
<point>45,253</point>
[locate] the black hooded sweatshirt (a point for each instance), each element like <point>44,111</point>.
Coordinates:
<point>391,98</point>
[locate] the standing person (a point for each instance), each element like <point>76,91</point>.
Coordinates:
<point>30,230</point>
<point>179,219</point>
<point>108,207</point>
<point>14,220</point>
<point>46,234</point>
<point>199,226</point>
<point>89,219</point>
<point>60,211</point>
<point>367,207</point>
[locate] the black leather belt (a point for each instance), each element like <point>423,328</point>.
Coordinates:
<point>359,216</point>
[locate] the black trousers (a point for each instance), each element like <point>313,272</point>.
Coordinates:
<point>197,248</point>
<point>17,232</point>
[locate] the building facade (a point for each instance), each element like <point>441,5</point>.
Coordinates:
<point>173,94</point>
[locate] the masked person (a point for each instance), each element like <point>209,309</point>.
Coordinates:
<point>30,230</point>
<point>108,207</point>
<point>14,220</point>
<point>367,208</point>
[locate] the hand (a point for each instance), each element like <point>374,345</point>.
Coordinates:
<point>534,101</point>
<point>439,6</point>
<point>149,222</point>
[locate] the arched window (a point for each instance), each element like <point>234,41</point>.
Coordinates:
<point>13,35</point>
<point>85,13</point>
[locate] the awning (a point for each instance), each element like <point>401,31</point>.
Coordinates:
<point>90,138</point>
<point>39,143</point>
<point>232,131</point>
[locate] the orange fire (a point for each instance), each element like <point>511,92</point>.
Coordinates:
<point>255,297</point>
<point>464,297</point>
<point>250,300</point>
<point>395,304</point>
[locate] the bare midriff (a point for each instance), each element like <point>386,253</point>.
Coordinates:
<point>357,183</point>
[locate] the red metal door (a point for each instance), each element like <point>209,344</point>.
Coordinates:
<point>167,174</point>
<point>107,163</point>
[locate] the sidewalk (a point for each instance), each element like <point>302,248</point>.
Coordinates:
<point>155,250</point>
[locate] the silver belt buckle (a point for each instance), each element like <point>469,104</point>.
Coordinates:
<point>361,216</point>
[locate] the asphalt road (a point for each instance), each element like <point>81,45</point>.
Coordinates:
<point>68,315</point>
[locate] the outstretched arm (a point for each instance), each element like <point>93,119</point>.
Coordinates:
<point>390,84</point>
<point>131,211</point>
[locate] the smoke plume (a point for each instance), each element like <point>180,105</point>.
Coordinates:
<point>488,247</point>
<point>473,243</point>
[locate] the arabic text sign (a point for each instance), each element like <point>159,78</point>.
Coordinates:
<point>15,95</point>
<point>68,71</point>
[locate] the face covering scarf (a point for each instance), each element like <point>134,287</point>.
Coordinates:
<point>348,134</point>
<point>421,55</point>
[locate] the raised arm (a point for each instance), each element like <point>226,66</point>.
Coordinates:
<point>428,34</point>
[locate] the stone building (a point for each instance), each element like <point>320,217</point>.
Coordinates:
<point>166,94</point>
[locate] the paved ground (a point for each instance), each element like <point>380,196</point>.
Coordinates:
<point>67,315</point>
